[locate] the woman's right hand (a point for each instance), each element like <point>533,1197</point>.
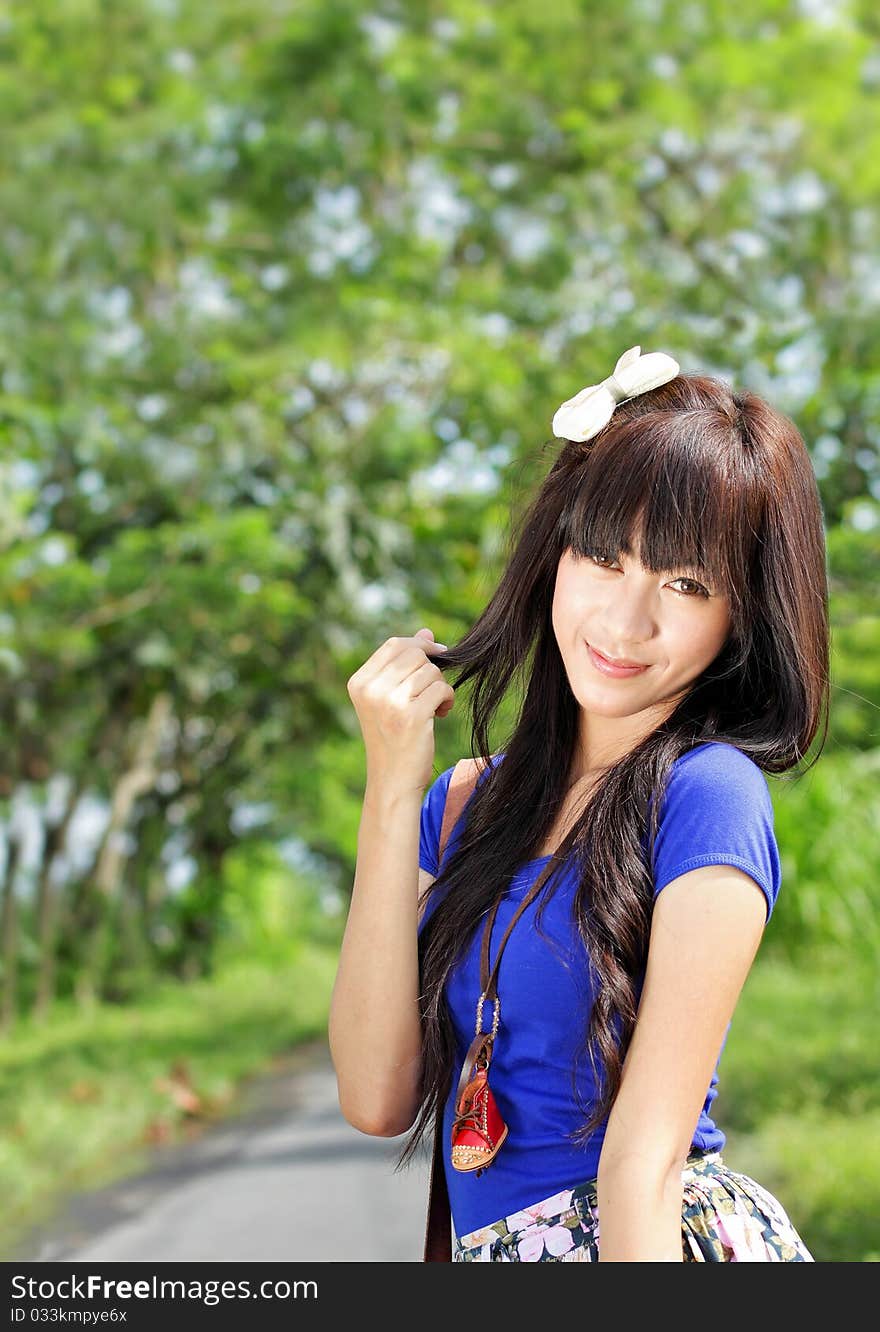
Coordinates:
<point>397,693</point>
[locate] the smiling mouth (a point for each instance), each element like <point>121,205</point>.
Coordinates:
<point>608,666</point>
<point>617,661</point>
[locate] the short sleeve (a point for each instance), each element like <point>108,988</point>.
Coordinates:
<point>433,805</point>
<point>717,810</point>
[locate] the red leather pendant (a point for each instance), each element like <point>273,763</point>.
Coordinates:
<point>478,1129</point>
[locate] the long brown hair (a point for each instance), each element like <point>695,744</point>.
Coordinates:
<point>709,479</point>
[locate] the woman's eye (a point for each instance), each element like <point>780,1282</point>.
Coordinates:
<point>694,589</point>
<point>698,591</point>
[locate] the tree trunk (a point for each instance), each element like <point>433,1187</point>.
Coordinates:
<point>110,863</point>
<point>9,930</point>
<point>46,908</point>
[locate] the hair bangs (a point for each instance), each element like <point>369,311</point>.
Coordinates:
<point>666,490</point>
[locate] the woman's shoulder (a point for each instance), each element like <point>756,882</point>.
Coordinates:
<point>471,772</point>
<point>714,780</point>
<point>466,769</point>
<point>710,762</point>
<point>717,810</point>
<point>718,764</point>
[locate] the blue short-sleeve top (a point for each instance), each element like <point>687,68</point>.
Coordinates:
<point>716,810</point>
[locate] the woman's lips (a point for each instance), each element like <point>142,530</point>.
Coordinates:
<point>608,668</point>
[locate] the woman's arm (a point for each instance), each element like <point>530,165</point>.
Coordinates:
<point>374,1028</point>
<point>706,929</point>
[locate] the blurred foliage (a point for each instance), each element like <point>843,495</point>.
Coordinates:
<point>799,1097</point>
<point>827,825</point>
<point>292,292</point>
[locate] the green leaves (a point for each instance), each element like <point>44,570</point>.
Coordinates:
<point>291,297</point>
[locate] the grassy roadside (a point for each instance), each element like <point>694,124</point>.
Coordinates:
<point>84,1097</point>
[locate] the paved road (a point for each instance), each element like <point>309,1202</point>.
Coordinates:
<point>288,1179</point>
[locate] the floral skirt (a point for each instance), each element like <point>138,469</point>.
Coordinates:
<point>726,1218</point>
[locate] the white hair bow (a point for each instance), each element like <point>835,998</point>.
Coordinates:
<point>585,414</point>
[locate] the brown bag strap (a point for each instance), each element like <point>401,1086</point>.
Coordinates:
<point>438,1239</point>
<point>461,785</point>
<point>438,1233</point>
<point>487,980</point>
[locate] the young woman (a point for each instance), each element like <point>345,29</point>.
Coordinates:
<point>678,532</point>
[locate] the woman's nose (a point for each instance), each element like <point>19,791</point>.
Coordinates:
<point>630,620</point>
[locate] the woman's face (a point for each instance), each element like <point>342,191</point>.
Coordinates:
<point>672,624</point>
